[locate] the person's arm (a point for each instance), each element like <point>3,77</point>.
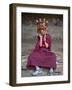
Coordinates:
<point>45,42</point>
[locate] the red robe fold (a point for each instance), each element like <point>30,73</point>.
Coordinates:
<point>41,56</point>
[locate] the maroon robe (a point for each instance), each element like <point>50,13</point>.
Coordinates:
<point>42,56</point>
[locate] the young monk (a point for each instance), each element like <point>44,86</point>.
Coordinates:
<point>42,56</point>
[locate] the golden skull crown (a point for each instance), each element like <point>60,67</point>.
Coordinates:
<point>42,24</point>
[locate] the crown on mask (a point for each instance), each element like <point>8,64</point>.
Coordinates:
<point>42,24</point>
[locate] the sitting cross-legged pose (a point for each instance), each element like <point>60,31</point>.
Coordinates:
<point>42,56</point>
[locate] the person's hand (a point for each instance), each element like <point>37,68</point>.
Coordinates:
<point>45,38</point>
<point>40,36</point>
<point>46,44</point>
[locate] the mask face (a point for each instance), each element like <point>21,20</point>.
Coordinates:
<point>42,26</point>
